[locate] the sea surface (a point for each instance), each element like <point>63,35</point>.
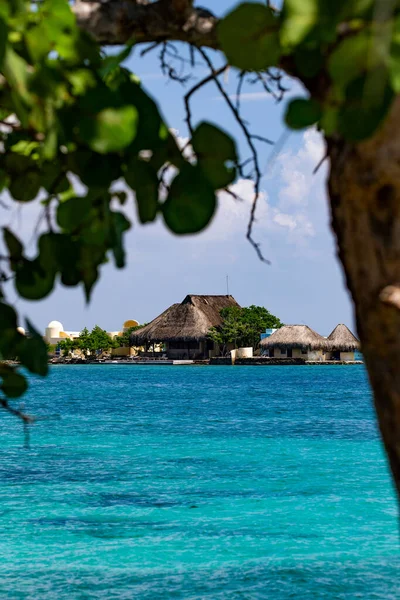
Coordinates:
<point>197,482</point>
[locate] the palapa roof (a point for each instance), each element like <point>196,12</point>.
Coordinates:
<point>190,320</point>
<point>295,336</point>
<point>343,339</point>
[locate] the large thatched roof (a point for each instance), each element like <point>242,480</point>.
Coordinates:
<point>295,336</point>
<point>189,321</point>
<point>343,339</point>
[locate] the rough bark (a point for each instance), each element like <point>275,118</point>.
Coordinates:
<point>364,191</point>
<point>119,21</point>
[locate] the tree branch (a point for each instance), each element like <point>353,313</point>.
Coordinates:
<point>16,412</point>
<point>249,138</point>
<point>113,22</point>
<point>211,77</point>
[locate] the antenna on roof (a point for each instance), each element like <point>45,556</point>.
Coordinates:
<point>227,285</point>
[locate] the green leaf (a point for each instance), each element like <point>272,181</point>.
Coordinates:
<point>394,58</point>
<point>23,147</point>
<point>299,17</point>
<point>314,21</point>
<point>33,351</point>
<point>60,12</point>
<point>47,255</point>
<point>14,384</point>
<point>61,252</point>
<point>32,281</point>
<point>356,55</point>
<point>3,179</point>
<point>73,213</point>
<point>25,188</point>
<point>81,80</point>
<point>309,62</point>
<point>88,263</point>
<point>4,10</point>
<point>110,130</point>
<point>110,63</point>
<point>152,133</point>
<point>249,37</point>
<point>55,29</point>
<point>191,202</point>
<point>96,170</point>
<point>3,40</point>
<point>15,70</point>
<point>8,317</point>
<point>142,178</point>
<point>302,113</point>
<point>50,146</point>
<point>366,105</point>
<point>214,148</point>
<point>14,246</point>
<point>39,41</point>
<point>120,225</point>
<point>9,334</point>
<point>52,178</point>
<point>353,9</point>
<point>329,120</point>
<point>348,60</point>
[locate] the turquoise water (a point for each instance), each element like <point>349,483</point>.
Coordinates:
<point>198,482</point>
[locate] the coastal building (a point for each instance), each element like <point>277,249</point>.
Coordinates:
<point>130,323</point>
<point>55,332</point>
<point>183,328</point>
<point>295,341</point>
<point>124,351</point>
<point>268,333</point>
<point>343,344</point>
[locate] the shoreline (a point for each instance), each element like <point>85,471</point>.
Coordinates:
<point>253,362</point>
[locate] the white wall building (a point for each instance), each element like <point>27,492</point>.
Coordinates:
<point>55,331</point>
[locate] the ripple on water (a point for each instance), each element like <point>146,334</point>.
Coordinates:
<point>212,483</point>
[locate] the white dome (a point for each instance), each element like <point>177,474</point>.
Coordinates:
<point>55,325</point>
<point>21,330</point>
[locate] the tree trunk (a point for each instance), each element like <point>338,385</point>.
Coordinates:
<point>364,190</point>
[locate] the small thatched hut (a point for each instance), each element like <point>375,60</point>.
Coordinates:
<point>342,344</point>
<point>295,341</point>
<point>183,328</point>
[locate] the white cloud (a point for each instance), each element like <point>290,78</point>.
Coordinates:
<point>285,221</point>
<point>313,147</point>
<point>296,171</point>
<point>299,209</point>
<point>294,184</point>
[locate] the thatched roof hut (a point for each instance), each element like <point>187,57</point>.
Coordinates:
<point>343,340</point>
<point>189,321</point>
<point>295,336</point>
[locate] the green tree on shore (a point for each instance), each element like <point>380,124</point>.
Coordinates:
<point>242,326</point>
<point>89,343</point>
<point>67,346</point>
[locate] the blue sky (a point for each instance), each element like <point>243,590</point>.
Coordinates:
<point>303,284</point>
